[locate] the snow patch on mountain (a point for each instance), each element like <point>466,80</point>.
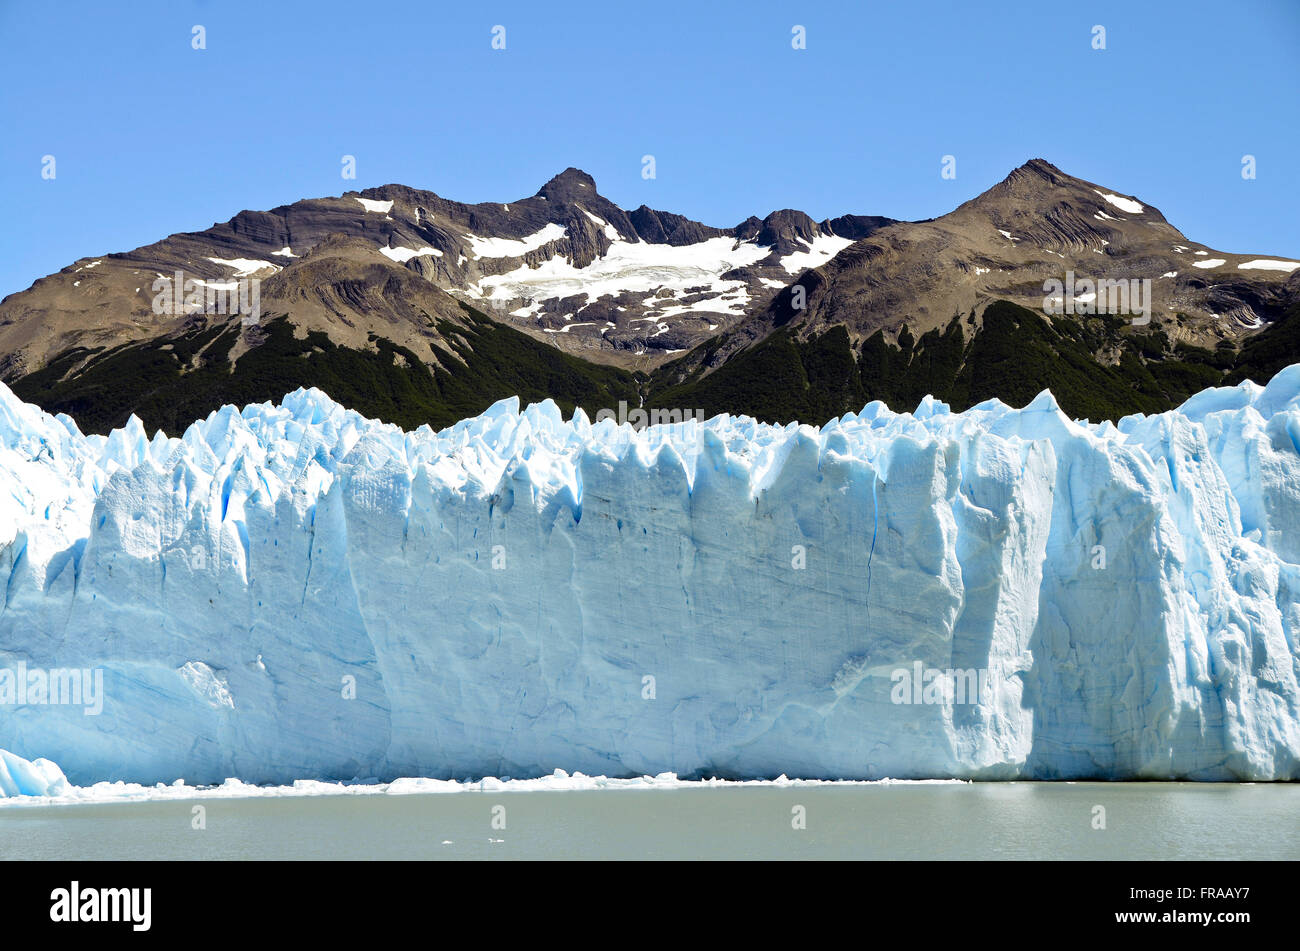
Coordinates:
<point>243,267</point>
<point>822,249</point>
<point>1267,264</point>
<point>514,247</point>
<point>1123,204</point>
<point>402,255</point>
<point>610,231</point>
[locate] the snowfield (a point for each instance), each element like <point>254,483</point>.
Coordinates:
<point>295,592</point>
<point>638,267</point>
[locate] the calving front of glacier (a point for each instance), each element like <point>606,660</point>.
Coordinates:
<point>297,592</point>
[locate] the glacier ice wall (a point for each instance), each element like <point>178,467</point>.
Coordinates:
<point>295,591</point>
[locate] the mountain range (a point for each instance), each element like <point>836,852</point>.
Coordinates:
<point>417,309</point>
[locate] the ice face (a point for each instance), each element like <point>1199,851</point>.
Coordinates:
<point>294,592</point>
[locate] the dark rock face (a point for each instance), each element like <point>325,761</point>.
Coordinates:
<point>661,227</point>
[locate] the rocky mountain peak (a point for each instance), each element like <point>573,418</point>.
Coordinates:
<point>572,184</point>
<point>782,228</point>
<point>1043,170</point>
<point>1038,188</point>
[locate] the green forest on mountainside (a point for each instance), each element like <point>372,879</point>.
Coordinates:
<point>1015,356</point>
<point>169,388</point>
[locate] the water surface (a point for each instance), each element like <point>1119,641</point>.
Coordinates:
<point>850,821</point>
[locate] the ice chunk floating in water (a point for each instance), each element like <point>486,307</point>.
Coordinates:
<point>18,777</point>
<point>294,592</point>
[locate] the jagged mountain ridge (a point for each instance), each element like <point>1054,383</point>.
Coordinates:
<point>532,263</point>
<point>401,297</point>
<point>1037,224</point>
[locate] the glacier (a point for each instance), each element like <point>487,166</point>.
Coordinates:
<point>296,592</point>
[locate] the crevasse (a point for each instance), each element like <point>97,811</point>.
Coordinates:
<point>294,592</point>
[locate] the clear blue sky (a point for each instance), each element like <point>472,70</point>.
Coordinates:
<point>151,136</point>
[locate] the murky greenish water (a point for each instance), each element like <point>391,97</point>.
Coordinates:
<point>884,821</point>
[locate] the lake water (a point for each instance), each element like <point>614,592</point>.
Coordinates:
<point>848,821</point>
